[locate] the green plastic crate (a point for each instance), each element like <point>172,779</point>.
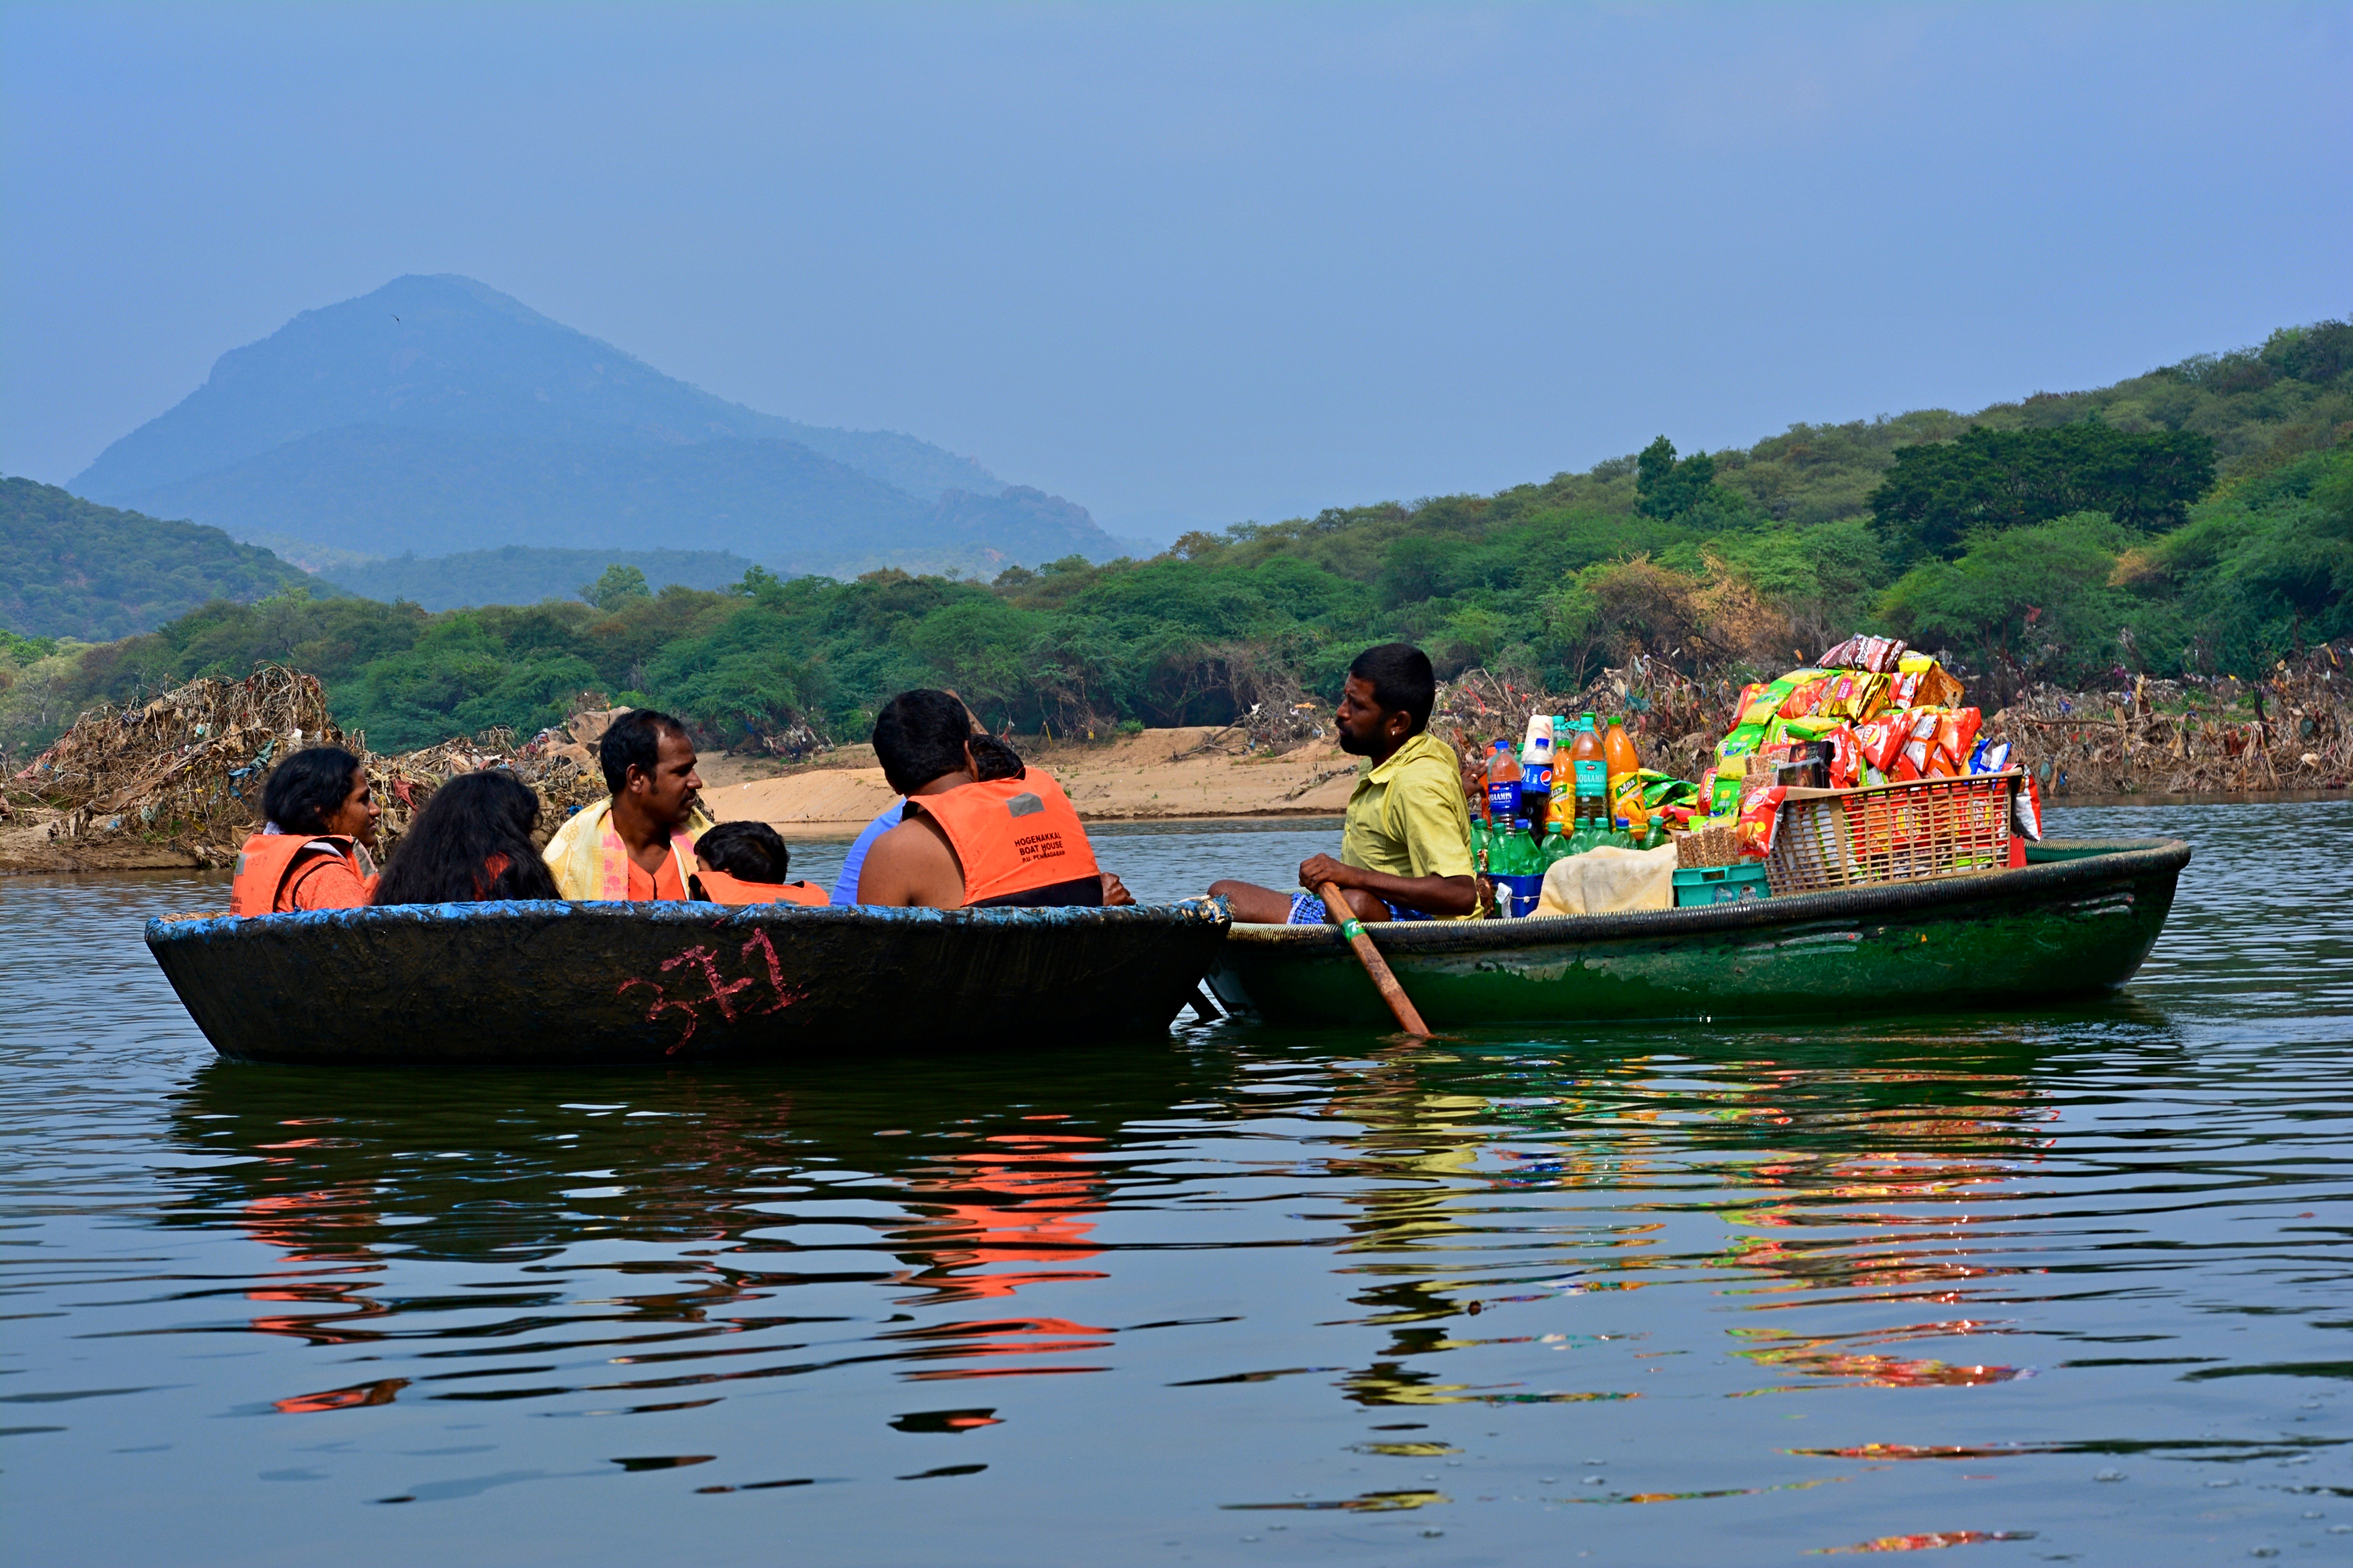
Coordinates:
<point>1720,884</point>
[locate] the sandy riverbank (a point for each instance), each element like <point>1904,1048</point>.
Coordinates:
<point>1151,776</point>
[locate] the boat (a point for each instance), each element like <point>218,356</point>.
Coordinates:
<point>552,982</point>
<point>2077,919</point>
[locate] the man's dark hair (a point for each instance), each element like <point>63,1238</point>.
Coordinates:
<point>471,842</point>
<point>635,742</point>
<point>918,736</point>
<point>748,851</point>
<point>309,788</point>
<point>1401,680</point>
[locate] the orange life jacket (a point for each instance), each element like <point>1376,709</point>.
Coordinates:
<point>1012,834</point>
<point>736,893</point>
<point>267,873</point>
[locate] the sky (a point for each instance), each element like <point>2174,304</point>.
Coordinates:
<point>1192,265</point>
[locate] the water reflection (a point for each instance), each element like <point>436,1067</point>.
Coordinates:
<point>1874,1287</point>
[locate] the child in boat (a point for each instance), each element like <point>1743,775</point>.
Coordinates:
<point>743,863</point>
<point>471,843</point>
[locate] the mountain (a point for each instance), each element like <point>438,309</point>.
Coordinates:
<point>71,569</point>
<point>437,413</point>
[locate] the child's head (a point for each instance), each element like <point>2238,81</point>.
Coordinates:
<point>748,851</point>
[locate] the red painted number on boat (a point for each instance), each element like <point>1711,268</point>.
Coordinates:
<point>721,992</point>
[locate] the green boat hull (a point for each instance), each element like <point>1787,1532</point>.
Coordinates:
<point>2078,918</point>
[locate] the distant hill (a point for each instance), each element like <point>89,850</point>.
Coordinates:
<point>437,415</point>
<point>520,575</point>
<point>71,569</point>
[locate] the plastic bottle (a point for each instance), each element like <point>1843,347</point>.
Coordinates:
<point>1622,833</point>
<point>1503,785</point>
<point>1625,768</point>
<point>1555,845</point>
<point>1513,864</point>
<point>1586,755</point>
<point>1536,756</point>
<point>1564,780</point>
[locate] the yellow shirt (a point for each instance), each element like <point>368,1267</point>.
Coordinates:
<point>1407,817</point>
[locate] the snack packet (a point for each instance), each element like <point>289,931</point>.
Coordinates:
<point>1879,741</point>
<point>1761,814</point>
<point>1723,799</point>
<point>1957,739</point>
<point>1854,695</point>
<point>1759,700</point>
<point>1846,757</point>
<point>1805,698</point>
<point>1921,682</point>
<point>2026,809</point>
<point>1990,757</point>
<point>1877,655</point>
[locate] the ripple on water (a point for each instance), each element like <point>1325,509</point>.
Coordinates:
<point>1884,1285</point>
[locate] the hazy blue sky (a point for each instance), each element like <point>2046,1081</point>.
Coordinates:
<point>1210,262</point>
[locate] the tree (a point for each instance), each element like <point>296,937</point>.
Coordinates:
<point>618,586</point>
<point>1667,488</point>
<point>1938,494</point>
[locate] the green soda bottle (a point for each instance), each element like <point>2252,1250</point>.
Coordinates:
<point>1556,847</point>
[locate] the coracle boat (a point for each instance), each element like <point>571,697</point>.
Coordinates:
<point>553,983</point>
<point>2077,919</point>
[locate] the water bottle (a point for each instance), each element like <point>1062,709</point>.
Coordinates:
<point>1502,783</point>
<point>1536,769</point>
<point>1518,877</point>
<point>1592,765</point>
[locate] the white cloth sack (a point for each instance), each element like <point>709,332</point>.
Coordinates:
<point>1609,880</point>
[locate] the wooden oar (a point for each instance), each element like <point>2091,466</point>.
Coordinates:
<point>1337,909</point>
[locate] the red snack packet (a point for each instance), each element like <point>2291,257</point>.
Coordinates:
<point>1881,739</point>
<point>1846,757</point>
<point>1761,814</point>
<point>1957,734</point>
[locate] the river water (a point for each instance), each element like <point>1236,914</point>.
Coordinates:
<point>2063,1286</point>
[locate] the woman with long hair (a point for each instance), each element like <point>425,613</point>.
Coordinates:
<point>311,852</point>
<point>471,844</point>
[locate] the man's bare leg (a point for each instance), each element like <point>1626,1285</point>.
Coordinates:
<point>1254,905</point>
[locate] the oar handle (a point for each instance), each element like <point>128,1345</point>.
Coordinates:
<point>1338,911</point>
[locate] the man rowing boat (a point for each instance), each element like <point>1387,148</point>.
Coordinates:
<point>1405,849</point>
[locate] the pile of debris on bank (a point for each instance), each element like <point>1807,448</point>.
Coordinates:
<point>181,775</point>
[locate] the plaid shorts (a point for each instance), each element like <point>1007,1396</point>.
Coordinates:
<point>1307,909</point>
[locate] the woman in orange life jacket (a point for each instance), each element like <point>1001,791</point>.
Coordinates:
<point>311,852</point>
<point>471,843</point>
<point>980,831</point>
<point>743,863</point>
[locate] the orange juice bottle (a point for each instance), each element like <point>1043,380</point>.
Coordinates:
<point>1625,775</point>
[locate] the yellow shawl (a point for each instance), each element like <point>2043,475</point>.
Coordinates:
<point>590,861</point>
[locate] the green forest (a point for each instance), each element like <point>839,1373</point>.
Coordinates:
<point>2196,519</point>
<point>70,568</point>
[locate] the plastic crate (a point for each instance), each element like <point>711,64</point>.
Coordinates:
<point>1720,884</point>
<point>1517,896</point>
<point>1891,832</point>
